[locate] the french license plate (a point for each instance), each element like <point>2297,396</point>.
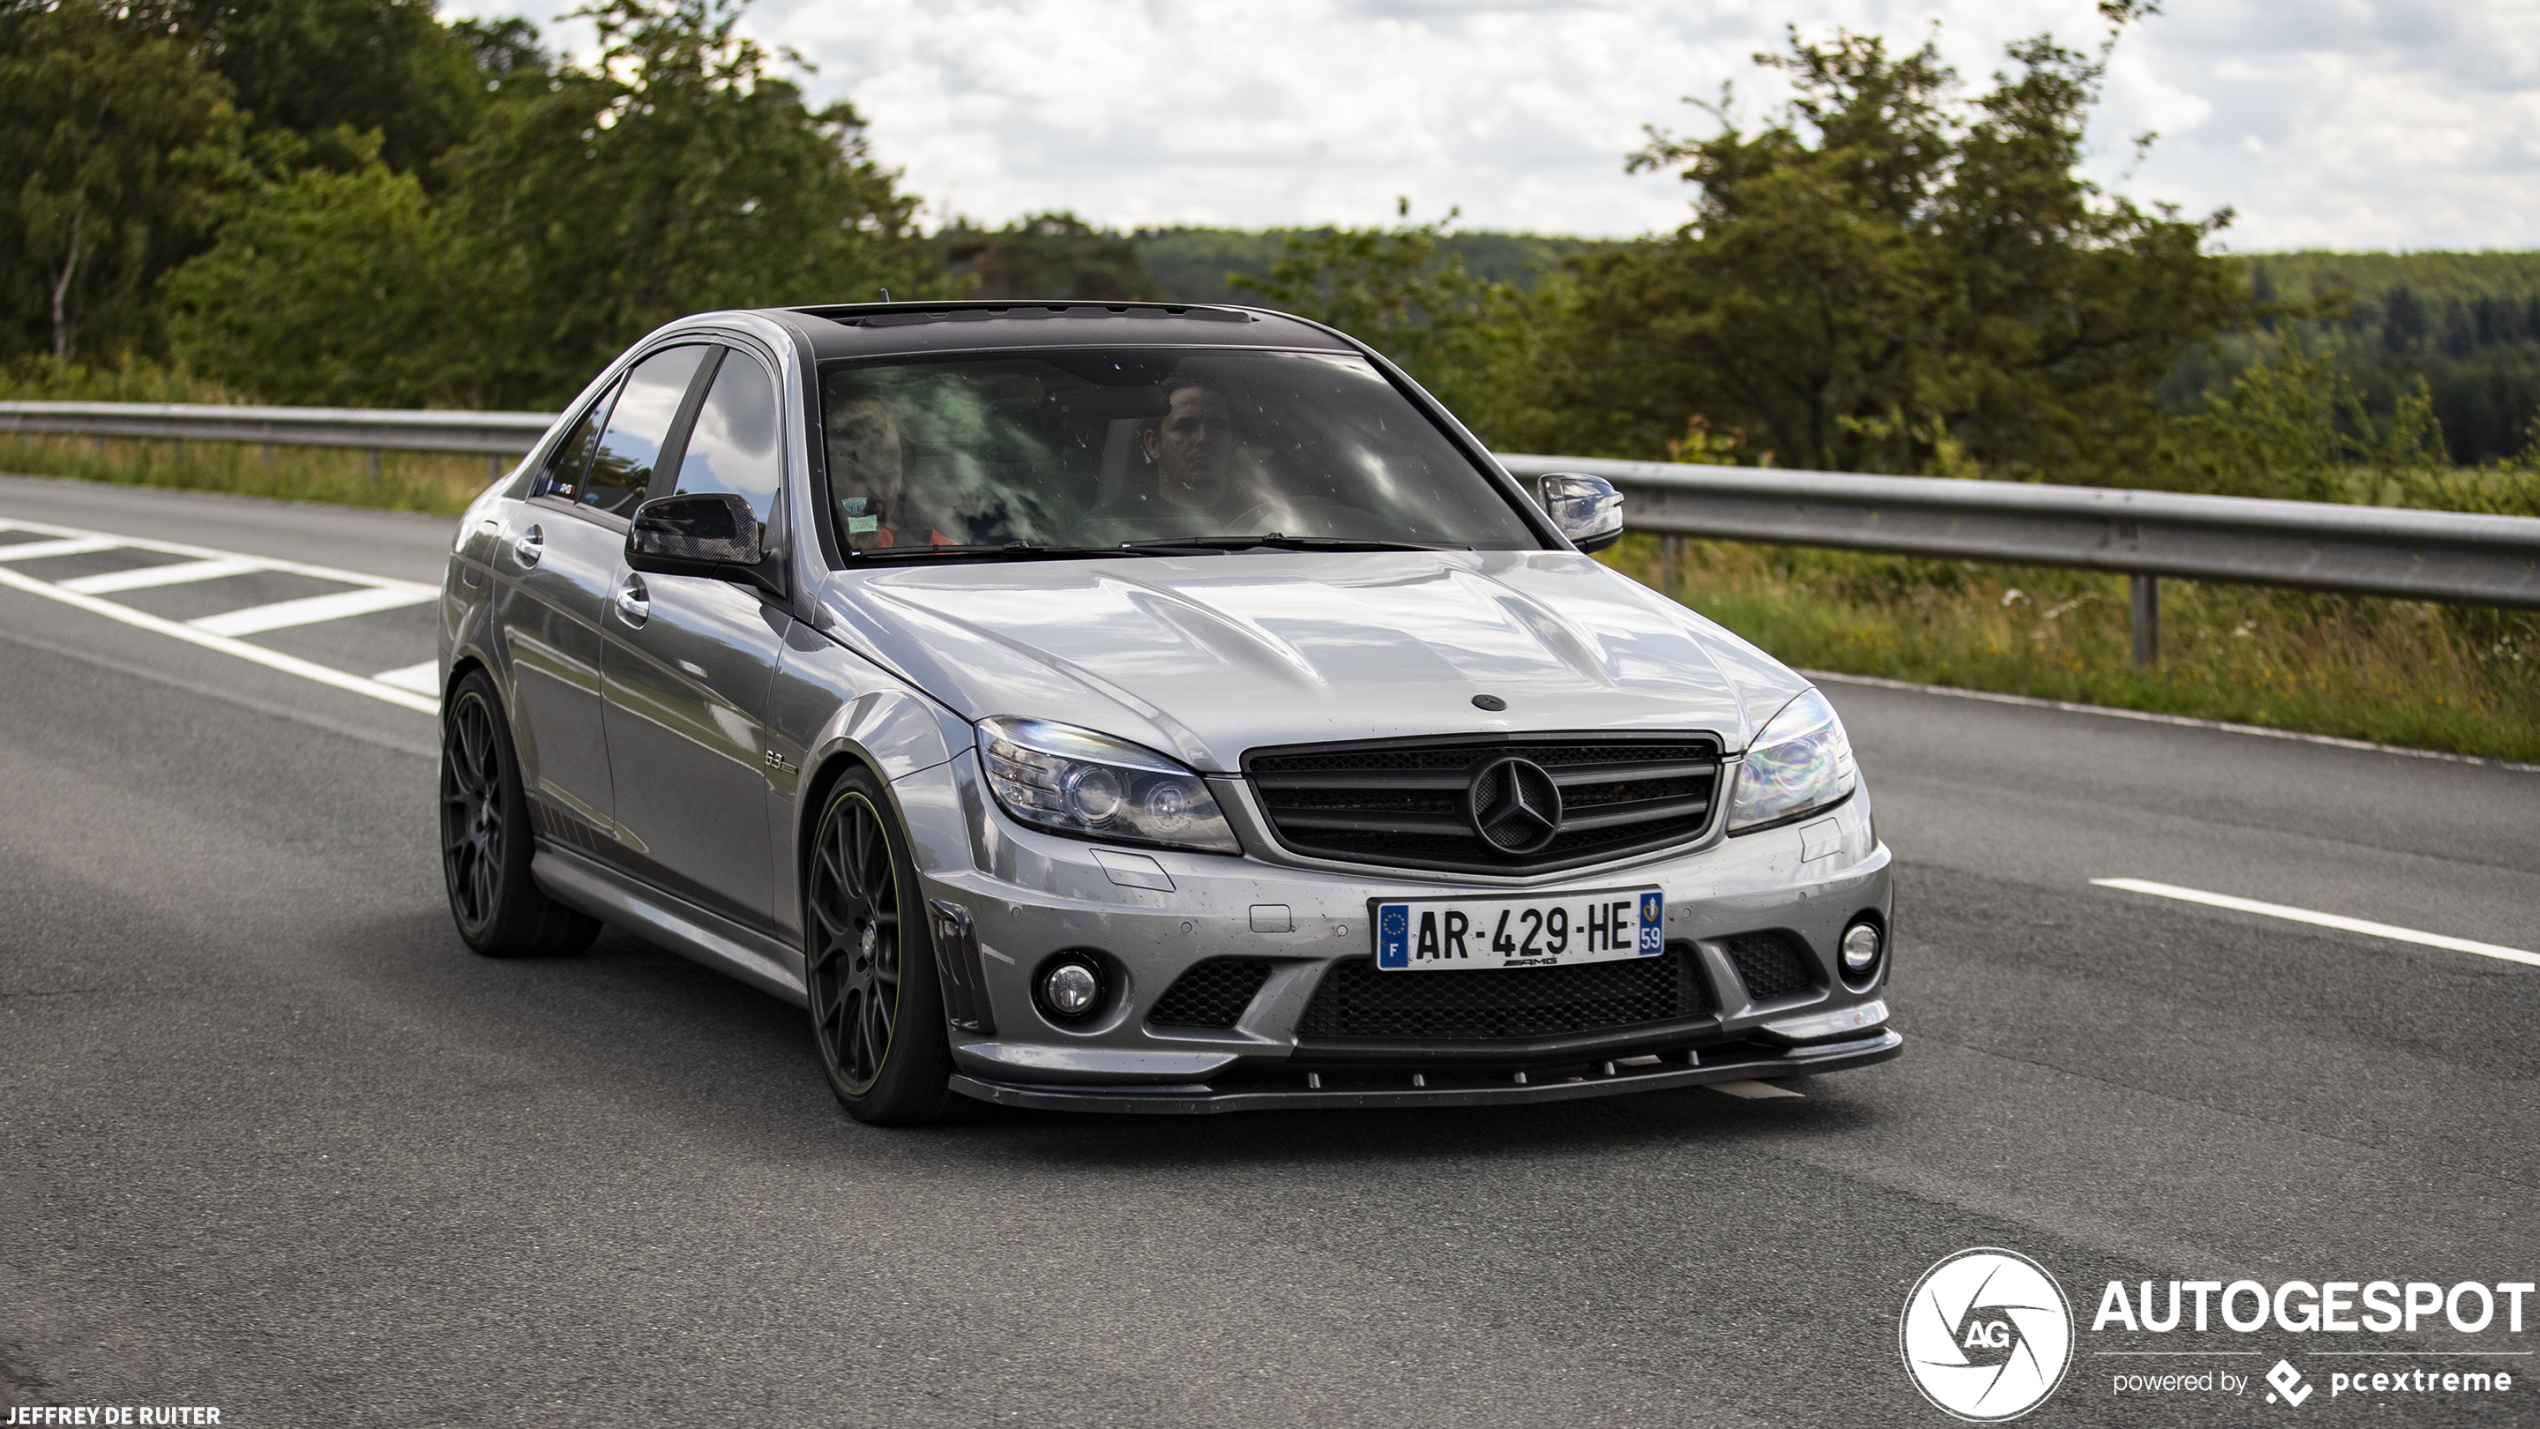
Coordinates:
<point>1447,934</point>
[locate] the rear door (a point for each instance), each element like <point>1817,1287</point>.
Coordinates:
<point>690,663</point>
<point>559,560</point>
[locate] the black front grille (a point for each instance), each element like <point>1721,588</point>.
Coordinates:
<point>1211,994</point>
<point>1770,963</point>
<point>1406,802</point>
<point>1356,1000</point>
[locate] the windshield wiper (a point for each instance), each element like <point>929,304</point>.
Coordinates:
<point>1167,546</point>
<point>1009,551</point>
<point>1285,543</point>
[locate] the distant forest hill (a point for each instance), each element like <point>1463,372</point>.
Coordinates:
<point>1192,265</point>
<point>2467,323</point>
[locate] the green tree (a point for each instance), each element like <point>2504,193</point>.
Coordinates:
<point>1888,278</point>
<point>327,71</point>
<point>677,173</point>
<point>1048,255</point>
<point>336,289</point>
<point>114,146</point>
<point>1391,288</point>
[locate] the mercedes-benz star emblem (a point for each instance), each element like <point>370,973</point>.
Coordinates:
<point>1515,805</point>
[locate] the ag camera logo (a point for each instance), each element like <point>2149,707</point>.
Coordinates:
<point>1986,1335</point>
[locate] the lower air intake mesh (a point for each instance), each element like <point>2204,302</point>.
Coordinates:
<point>1356,1000</point>
<point>1769,963</point>
<point>1210,994</point>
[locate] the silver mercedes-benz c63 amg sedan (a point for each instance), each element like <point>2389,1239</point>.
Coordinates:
<point>1141,708</point>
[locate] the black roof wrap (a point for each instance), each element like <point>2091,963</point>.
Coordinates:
<point>883,329</point>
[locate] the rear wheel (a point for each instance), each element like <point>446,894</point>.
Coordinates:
<point>486,841</point>
<point>876,1009</point>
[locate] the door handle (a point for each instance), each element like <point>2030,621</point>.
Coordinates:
<point>528,546</point>
<point>632,606</point>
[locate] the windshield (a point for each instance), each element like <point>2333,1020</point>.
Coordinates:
<point>1091,448</point>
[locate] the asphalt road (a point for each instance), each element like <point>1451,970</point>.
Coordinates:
<point>272,1141</point>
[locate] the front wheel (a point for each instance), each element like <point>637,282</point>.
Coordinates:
<point>486,841</point>
<point>876,1009</point>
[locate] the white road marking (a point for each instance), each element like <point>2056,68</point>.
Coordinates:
<point>174,548</point>
<point>2324,920</point>
<point>151,577</point>
<point>68,546</point>
<point>309,610</point>
<point>423,679</point>
<point>1752,1091</point>
<point>375,593</point>
<point>270,659</point>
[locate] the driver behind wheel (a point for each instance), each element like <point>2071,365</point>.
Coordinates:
<point>1200,484</point>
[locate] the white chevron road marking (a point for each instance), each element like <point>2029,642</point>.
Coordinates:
<point>412,687</point>
<point>69,546</point>
<point>423,679</point>
<point>309,610</point>
<point>153,577</point>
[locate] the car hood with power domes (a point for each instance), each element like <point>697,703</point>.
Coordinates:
<point>1205,657</point>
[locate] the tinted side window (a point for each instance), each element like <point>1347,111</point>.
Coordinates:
<point>646,405</point>
<point>572,456</point>
<point>734,446</point>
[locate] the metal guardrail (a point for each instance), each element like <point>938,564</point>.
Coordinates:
<point>492,433</point>
<point>2359,550</point>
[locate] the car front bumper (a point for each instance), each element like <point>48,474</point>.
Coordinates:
<point>1026,896</point>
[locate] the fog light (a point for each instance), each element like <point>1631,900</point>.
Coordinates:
<point>1069,989</point>
<point>1860,948</point>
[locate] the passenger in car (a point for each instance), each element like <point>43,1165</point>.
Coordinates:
<point>868,471</point>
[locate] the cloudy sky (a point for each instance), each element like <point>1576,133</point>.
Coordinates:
<point>2324,123</point>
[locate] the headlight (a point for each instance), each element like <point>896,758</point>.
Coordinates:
<point>1799,764</point>
<point>1074,781</point>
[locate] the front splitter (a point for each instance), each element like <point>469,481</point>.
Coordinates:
<point>1200,1098</point>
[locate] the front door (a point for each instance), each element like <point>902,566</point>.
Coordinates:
<point>562,558</point>
<point>690,664</point>
<point>555,563</point>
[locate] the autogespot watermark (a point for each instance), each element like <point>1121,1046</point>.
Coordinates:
<point>1987,1335</point>
<point>2327,1307</point>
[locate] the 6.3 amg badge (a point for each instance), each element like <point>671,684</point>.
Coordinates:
<point>1986,1335</point>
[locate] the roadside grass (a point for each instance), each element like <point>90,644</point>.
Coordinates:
<point>2408,673</point>
<point>439,482</point>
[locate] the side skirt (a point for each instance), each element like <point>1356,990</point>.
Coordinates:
<point>658,918</point>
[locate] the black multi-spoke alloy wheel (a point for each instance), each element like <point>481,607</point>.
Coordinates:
<point>486,841</point>
<point>876,1009</point>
